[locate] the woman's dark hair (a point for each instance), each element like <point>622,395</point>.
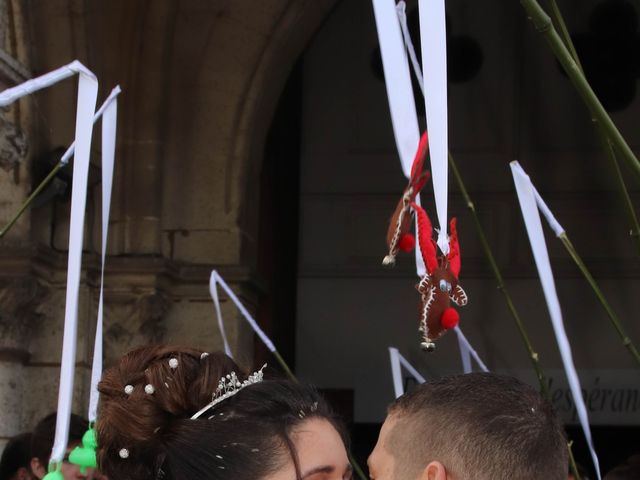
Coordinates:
<point>16,455</point>
<point>245,437</point>
<point>44,433</point>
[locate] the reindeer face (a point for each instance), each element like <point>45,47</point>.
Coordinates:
<point>444,280</point>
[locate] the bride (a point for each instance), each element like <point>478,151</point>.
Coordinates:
<point>176,413</point>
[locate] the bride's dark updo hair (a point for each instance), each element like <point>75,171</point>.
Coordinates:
<point>145,431</point>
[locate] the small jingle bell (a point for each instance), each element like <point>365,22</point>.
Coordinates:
<point>428,346</point>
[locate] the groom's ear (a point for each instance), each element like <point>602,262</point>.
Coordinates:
<point>434,471</point>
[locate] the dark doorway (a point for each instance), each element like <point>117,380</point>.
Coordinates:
<point>278,227</point>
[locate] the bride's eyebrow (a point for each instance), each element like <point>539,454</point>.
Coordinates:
<point>326,469</point>
<point>323,469</point>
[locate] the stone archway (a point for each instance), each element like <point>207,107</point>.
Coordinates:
<point>200,81</point>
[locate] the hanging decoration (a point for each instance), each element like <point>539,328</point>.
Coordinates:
<point>86,104</point>
<point>531,205</point>
<point>85,455</point>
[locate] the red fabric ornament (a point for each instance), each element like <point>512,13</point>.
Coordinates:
<point>439,286</point>
<point>400,223</point>
<point>450,318</point>
<point>407,242</point>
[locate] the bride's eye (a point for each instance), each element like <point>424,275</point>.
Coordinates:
<point>348,474</point>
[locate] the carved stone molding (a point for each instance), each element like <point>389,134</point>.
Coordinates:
<point>19,315</point>
<point>13,144</point>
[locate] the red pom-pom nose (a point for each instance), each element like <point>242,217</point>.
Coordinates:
<point>450,318</point>
<point>407,242</point>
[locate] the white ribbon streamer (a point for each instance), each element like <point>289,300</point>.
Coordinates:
<point>87,95</point>
<point>250,320</point>
<point>213,290</point>
<point>529,206</point>
<point>12,94</point>
<point>467,351</point>
<point>401,8</point>
<point>433,39</point>
<point>109,113</point>
<point>398,82</point>
<point>398,360</point>
<point>551,219</point>
<point>72,148</point>
<point>86,104</point>
<point>402,107</point>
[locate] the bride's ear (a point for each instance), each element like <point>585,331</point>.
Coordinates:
<point>434,471</point>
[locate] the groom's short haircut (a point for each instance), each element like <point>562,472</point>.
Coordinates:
<point>481,426</point>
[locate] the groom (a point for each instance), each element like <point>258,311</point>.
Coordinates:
<point>478,426</point>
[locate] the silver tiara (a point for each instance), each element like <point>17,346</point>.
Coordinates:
<point>228,386</point>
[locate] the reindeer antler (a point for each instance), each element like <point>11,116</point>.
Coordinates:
<point>454,249</point>
<point>427,245</point>
<point>399,235</point>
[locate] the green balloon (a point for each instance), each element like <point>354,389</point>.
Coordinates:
<point>89,439</point>
<point>53,474</point>
<point>85,456</point>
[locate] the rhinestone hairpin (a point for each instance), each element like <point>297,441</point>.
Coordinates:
<point>230,385</point>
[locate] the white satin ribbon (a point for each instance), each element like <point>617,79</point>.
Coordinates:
<point>529,204</point>
<point>213,290</point>
<point>109,113</point>
<point>401,8</point>
<point>398,82</point>
<point>86,104</point>
<point>467,352</point>
<point>433,39</point>
<point>402,107</point>
<point>216,279</point>
<point>398,361</point>
<point>12,94</point>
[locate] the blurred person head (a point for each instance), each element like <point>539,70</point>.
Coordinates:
<point>16,459</point>
<point>42,444</point>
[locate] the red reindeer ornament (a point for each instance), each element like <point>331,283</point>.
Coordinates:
<point>398,235</point>
<point>439,286</point>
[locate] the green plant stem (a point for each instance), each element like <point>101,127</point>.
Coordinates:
<point>544,25</point>
<point>572,461</point>
<point>626,341</point>
<point>625,198</point>
<point>533,355</point>
<point>356,467</point>
<point>28,201</point>
<point>624,194</point>
<point>561,26</point>
<point>284,366</point>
